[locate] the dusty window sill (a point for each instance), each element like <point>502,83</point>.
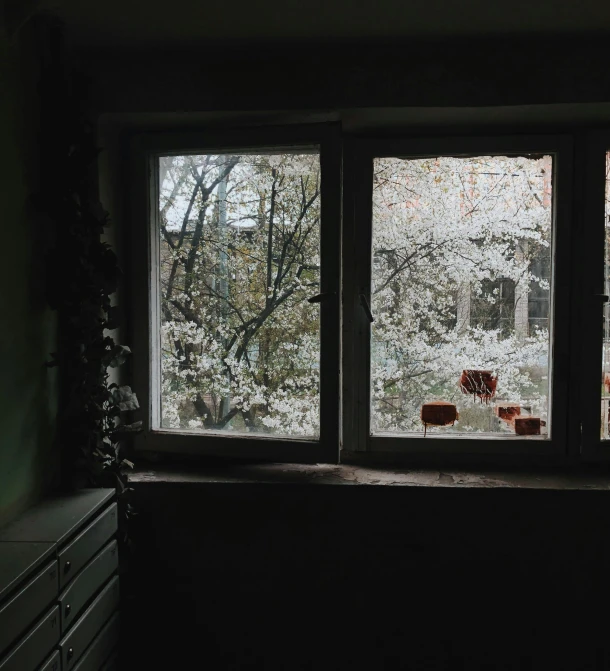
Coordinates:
<point>345,474</point>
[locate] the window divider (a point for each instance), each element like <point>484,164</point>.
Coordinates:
<point>590,263</point>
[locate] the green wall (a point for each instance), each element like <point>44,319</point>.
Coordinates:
<point>28,390</point>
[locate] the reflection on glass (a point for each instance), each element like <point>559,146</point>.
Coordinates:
<point>239,256</point>
<point>461,295</point>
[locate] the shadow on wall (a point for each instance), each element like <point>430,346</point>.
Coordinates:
<point>247,576</point>
<point>28,394</point>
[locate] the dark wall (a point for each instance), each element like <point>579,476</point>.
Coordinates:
<point>339,577</point>
<point>466,72</point>
<point>235,576</point>
<point>28,392</point>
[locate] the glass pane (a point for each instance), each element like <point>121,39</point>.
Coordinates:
<point>605,413</point>
<point>239,256</point>
<point>461,275</point>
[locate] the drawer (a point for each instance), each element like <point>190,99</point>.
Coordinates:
<point>101,648</point>
<point>74,644</point>
<point>19,561</point>
<point>76,596</point>
<point>33,648</point>
<point>112,664</point>
<point>77,553</point>
<point>52,664</point>
<point>26,606</point>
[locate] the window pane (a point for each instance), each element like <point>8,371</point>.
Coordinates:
<point>239,256</point>
<point>461,275</point>
<point>605,413</point>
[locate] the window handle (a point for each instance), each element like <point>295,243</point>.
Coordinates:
<point>366,307</point>
<point>318,298</point>
<point>603,297</point>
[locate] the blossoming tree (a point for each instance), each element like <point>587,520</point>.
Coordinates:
<point>450,235</point>
<point>240,256</point>
<point>459,246</point>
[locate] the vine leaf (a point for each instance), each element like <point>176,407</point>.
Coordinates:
<point>125,398</point>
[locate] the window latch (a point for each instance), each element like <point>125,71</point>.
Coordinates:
<point>367,309</point>
<point>319,298</point>
<point>602,297</point>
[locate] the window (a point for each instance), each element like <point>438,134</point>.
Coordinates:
<point>457,288</point>
<point>457,242</point>
<point>427,296</point>
<point>239,257</point>
<point>242,307</point>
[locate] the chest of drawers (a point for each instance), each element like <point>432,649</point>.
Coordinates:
<point>59,589</point>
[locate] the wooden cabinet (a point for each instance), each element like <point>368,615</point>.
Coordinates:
<point>34,647</point>
<point>77,553</point>
<point>59,589</point>
<point>77,640</point>
<point>97,652</point>
<point>27,604</point>
<point>87,583</point>
<point>52,663</point>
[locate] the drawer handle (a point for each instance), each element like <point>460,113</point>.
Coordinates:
<point>68,609</point>
<point>67,567</point>
<point>70,653</point>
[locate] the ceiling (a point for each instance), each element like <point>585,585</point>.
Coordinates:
<point>186,23</point>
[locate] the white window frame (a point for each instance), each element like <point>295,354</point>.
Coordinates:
<point>144,150</point>
<point>563,410</point>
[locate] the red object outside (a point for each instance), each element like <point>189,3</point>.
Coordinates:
<point>507,413</point>
<point>527,426</point>
<point>438,413</point>
<point>480,383</point>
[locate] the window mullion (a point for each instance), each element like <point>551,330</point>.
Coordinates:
<point>358,185</point>
<point>590,263</point>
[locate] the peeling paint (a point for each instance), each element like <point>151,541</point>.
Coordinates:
<point>346,474</point>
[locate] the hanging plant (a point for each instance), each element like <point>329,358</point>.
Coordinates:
<point>82,277</point>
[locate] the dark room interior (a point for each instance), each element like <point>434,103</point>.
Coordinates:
<point>314,524</point>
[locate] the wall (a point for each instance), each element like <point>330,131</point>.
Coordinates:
<point>297,576</point>
<point>326,577</point>
<point>28,391</point>
<point>464,73</point>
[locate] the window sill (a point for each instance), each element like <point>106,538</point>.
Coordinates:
<point>346,474</point>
